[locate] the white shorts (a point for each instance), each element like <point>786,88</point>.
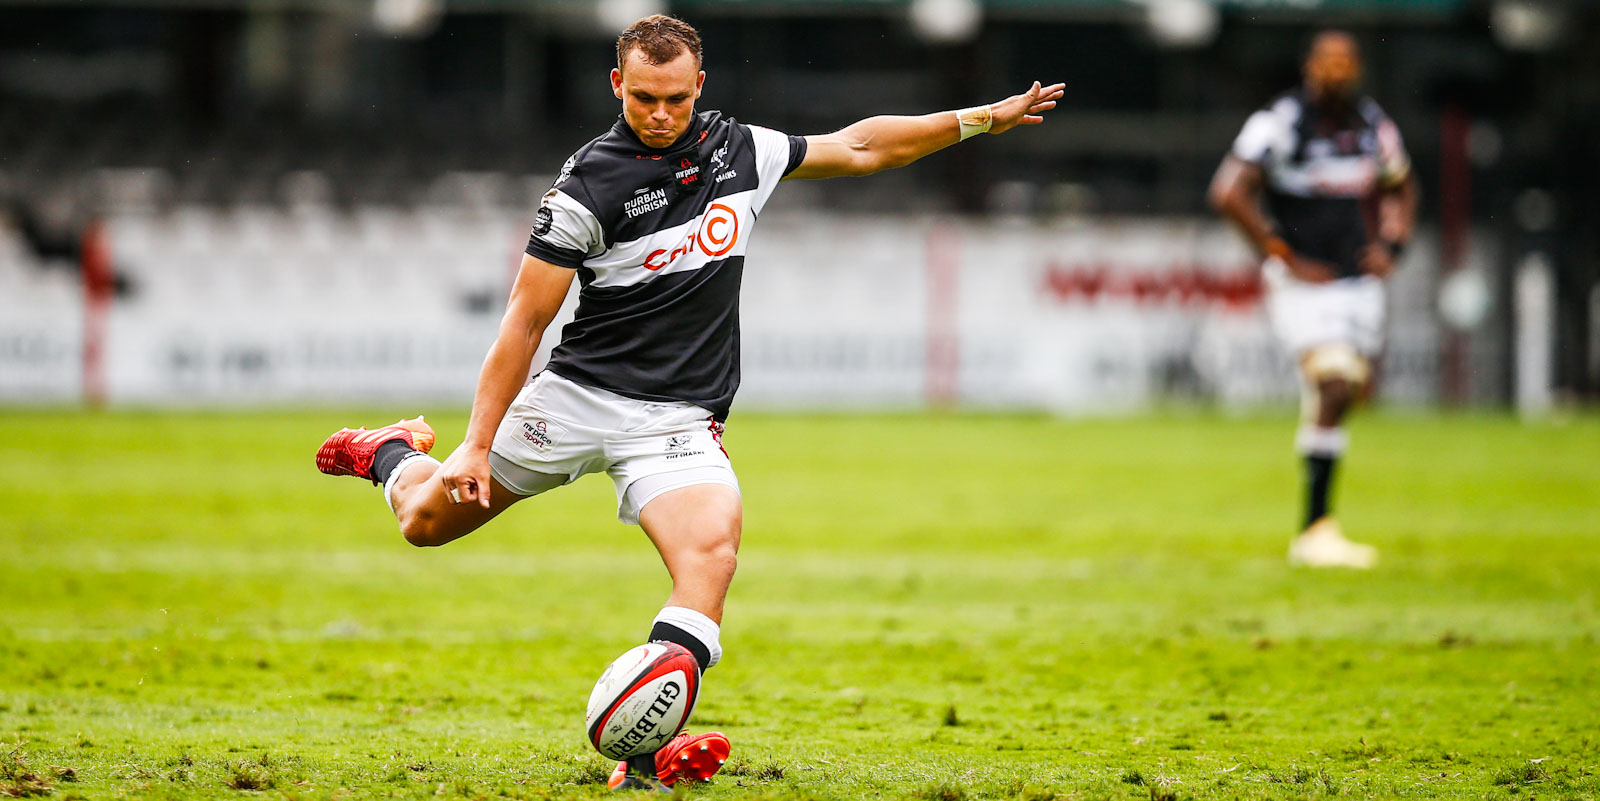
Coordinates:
<point>1348,311</point>
<point>556,431</point>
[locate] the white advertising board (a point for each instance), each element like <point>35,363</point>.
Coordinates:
<point>838,312</point>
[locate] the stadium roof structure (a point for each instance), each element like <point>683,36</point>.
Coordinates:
<point>1410,8</point>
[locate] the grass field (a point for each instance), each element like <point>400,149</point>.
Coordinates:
<point>934,607</point>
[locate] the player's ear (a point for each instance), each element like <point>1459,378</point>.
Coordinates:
<point>699,83</point>
<point>616,82</point>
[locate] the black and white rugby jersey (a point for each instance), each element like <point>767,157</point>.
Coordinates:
<point>658,238</point>
<point>1319,169</point>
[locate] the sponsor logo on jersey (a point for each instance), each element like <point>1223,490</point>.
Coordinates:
<point>719,165</point>
<point>543,218</point>
<point>688,172</point>
<point>717,233</point>
<point>649,201</point>
<point>566,170</point>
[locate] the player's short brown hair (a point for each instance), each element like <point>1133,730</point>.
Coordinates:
<point>661,38</point>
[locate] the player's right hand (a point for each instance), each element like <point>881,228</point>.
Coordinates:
<point>1377,260</point>
<point>465,476</point>
<point>1314,271</point>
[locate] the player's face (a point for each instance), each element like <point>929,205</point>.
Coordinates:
<point>658,99</point>
<point>1334,67</point>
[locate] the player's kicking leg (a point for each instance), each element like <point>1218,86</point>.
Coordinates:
<point>1333,376</point>
<point>696,530</point>
<point>396,458</point>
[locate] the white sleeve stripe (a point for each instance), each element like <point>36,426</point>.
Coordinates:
<point>772,158</point>
<point>1259,134</point>
<point>573,226</point>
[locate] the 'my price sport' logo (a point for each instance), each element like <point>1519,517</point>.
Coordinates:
<point>717,234</point>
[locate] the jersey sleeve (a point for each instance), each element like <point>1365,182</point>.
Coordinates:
<point>565,231</point>
<point>1255,141</point>
<point>777,155</point>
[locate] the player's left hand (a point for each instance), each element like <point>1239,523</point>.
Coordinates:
<point>1376,260</point>
<point>1026,108</point>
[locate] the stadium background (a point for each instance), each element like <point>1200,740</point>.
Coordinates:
<point>220,202</point>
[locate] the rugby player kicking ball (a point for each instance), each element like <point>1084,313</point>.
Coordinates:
<point>653,219</point>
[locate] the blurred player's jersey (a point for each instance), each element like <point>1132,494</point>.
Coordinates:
<point>1320,169</point>
<point>658,238</point>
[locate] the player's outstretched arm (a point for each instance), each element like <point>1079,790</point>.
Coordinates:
<point>536,296</point>
<point>882,143</point>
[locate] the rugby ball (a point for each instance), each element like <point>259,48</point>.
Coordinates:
<point>642,700</point>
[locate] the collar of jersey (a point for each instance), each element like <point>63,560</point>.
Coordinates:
<point>1348,116</point>
<point>688,142</point>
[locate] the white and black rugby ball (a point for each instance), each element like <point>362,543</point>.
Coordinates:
<point>642,700</point>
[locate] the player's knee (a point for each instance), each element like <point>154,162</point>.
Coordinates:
<point>422,528</point>
<point>1336,362</point>
<point>718,550</point>
<point>725,559</point>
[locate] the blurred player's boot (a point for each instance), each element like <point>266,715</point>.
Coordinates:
<point>349,452</point>
<point>1322,544</point>
<point>687,757</point>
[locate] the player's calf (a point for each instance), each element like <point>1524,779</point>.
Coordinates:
<point>1334,397</point>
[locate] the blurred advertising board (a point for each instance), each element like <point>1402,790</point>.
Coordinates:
<point>263,307</point>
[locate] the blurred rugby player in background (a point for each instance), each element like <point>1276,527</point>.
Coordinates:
<point>1320,184</point>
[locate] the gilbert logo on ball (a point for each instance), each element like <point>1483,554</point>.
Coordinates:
<point>642,700</point>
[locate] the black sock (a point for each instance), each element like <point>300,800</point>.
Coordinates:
<point>1319,480</point>
<point>387,458</point>
<point>643,765</point>
<point>669,633</point>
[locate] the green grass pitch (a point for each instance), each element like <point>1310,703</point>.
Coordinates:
<point>936,607</point>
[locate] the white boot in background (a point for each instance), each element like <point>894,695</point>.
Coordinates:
<point>1322,544</point>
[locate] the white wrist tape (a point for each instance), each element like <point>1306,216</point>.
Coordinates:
<point>974,121</point>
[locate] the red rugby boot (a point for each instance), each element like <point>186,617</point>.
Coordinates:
<point>690,757</point>
<point>349,452</point>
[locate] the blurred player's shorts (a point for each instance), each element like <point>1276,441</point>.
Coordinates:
<point>556,431</point>
<point>1305,315</point>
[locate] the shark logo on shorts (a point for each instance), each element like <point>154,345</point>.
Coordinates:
<point>678,446</point>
